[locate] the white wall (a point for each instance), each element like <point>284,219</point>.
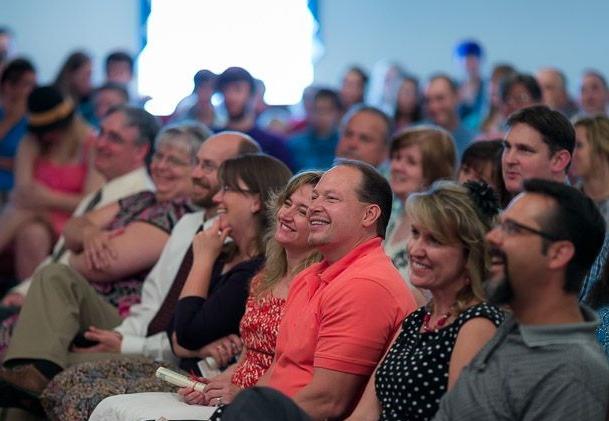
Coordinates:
<point>421,34</point>
<point>48,30</point>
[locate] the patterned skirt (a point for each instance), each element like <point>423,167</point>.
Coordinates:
<point>74,393</point>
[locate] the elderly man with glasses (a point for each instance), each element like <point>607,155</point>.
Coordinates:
<point>42,345</point>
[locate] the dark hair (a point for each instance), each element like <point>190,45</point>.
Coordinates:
<point>361,108</point>
<point>235,74</point>
<point>330,94</point>
<point>74,62</point>
<point>416,114</point>
<point>146,124</point>
<point>454,87</point>
<point>204,76</point>
<point>44,100</point>
<point>119,56</point>
<point>574,218</point>
<point>262,174</point>
<point>598,75</point>
<point>374,189</point>
<point>15,69</point>
<point>502,70</point>
<point>361,73</point>
<point>477,154</point>
<point>555,129</point>
<point>528,81</point>
<point>113,86</point>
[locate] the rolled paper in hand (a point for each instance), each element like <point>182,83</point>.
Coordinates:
<point>178,379</point>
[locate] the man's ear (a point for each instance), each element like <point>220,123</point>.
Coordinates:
<point>560,253</point>
<point>560,160</point>
<point>372,214</point>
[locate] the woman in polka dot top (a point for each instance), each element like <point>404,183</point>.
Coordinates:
<point>448,256</point>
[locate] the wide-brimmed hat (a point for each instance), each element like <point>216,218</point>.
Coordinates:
<point>48,109</point>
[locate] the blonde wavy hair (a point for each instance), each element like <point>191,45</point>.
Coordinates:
<point>276,266</point>
<point>449,212</point>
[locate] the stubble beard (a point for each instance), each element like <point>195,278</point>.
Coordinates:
<point>502,293</point>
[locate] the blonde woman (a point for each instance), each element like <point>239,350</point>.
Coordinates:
<point>287,253</point>
<point>449,257</point>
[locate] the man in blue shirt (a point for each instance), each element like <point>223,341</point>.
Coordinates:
<point>16,83</point>
<point>314,147</point>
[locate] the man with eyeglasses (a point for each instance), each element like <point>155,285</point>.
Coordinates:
<point>143,332</point>
<point>543,362</point>
<point>539,144</point>
<point>122,144</point>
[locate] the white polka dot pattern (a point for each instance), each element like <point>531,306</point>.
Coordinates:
<point>413,377</point>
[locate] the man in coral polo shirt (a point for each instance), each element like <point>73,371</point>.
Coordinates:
<point>342,313</point>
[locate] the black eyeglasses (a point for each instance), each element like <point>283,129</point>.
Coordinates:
<point>511,227</point>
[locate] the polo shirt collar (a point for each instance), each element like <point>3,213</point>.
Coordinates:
<point>542,335</point>
<point>330,272</point>
<point>326,272</point>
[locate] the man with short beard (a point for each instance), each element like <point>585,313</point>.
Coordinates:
<point>135,335</point>
<point>543,362</point>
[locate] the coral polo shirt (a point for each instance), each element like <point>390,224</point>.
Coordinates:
<point>340,317</point>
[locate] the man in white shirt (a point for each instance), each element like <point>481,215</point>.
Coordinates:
<point>125,138</point>
<point>39,349</point>
<point>134,329</point>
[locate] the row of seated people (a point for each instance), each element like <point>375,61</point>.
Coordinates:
<point>349,210</point>
<point>441,102</point>
<point>54,166</point>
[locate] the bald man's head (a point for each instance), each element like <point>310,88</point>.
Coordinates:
<point>212,153</point>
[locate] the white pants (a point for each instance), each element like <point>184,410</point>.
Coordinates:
<point>149,406</point>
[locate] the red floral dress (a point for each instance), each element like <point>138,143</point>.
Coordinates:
<point>258,330</point>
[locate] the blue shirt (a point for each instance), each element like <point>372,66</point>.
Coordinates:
<point>270,144</point>
<point>310,151</point>
<point>594,276</point>
<point>8,149</point>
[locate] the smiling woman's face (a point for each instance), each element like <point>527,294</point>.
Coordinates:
<point>433,264</point>
<point>170,170</point>
<point>292,222</point>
